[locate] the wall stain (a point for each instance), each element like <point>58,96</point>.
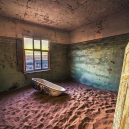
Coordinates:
<point>98,63</point>
<point>12,78</point>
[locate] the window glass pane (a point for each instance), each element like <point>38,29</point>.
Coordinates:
<point>28,43</point>
<point>45,60</point>
<point>37,57</point>
<point>36,44</point>
<point>45,45</point>
<point>29,60</point>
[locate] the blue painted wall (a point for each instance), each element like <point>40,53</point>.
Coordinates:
<point>99,63</point>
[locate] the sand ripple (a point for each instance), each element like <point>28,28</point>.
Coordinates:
<point>80,108</point>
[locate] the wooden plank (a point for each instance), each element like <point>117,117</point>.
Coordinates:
<point>20,55</point>
<point>125,116</point>
<point>120,105</point>
<point>122,110</point>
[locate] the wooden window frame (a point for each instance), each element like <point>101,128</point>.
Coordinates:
<point>39,50</point>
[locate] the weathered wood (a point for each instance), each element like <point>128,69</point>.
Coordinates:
<point>125,117</point>
<point>121,117</point>
<point>120,105</point>
<point>20,55</point>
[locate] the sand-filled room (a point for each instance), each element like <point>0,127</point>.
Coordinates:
<point>64,64</point>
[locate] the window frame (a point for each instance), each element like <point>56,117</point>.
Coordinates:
<point>39,50</point>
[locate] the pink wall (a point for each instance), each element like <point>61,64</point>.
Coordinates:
<point>105,27</point>
<point>109,26</point>
<point>15,28</point>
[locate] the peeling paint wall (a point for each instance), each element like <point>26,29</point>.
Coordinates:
<point>16,28</point>
<point>104,27</point>
<point>88,61</point>
<point>98,63</point>
<point>11,78</point>
<point>62,14</point>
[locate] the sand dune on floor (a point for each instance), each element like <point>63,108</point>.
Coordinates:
<point>80,107</point>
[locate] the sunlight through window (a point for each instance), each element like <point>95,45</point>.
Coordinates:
<point>36,54</point>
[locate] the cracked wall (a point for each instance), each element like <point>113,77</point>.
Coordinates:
<point>12,78</point>
<point>19,29</point>
<point>110,67</point>
<point>61,14</point>
<point>116,24</point>
<point>98,63</point>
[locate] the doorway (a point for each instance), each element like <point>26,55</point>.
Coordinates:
<point>121,117</point>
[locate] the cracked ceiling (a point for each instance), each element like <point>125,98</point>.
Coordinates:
<point>62,14</point>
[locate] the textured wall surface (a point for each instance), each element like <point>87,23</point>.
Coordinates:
<point>62,14</point>
<point>59,64</point>
<point>16,28</point>
<point>99,63</point>
<point>115,24</point>
<point>10,77</point>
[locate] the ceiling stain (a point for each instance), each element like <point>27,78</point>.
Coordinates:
<point>62,14</point>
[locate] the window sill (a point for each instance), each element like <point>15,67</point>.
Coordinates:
<point>38,71</point>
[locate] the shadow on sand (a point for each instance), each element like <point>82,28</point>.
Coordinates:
<point>43,98</point>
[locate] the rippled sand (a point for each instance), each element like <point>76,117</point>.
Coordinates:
<point>81,107</point>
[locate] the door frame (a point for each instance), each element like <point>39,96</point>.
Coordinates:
<point>121,116</point>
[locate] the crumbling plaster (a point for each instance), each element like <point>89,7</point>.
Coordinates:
<point>116,24</point>
<point>15,28</point>
<point>61,14</point>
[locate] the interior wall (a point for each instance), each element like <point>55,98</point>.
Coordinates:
<point>11,77</point>
<point>19,29</point>
<point>98,63</point>
<point>92,62</point>
<point>115,24</point>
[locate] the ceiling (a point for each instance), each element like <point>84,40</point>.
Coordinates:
<point>61,14</point>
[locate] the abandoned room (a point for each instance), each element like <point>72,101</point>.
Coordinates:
<point>64,64</point>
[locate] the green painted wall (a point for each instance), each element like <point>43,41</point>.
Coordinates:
<point>99,63</point>
<point>11,77</point>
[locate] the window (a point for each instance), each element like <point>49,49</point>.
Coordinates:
<point>36,53</point>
